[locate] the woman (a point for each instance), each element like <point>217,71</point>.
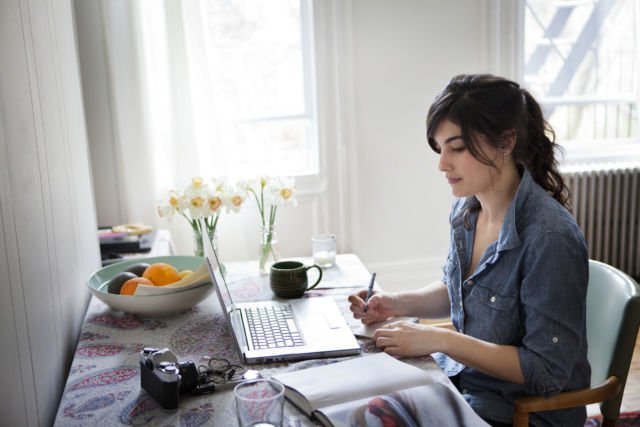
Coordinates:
<point>515,280</point>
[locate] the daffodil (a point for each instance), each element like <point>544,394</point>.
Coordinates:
<point>200,203</point>
<point>170,205</point>
<point>235,199</point>
<point>283,192</point>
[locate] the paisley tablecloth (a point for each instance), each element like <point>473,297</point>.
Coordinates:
<point>103,387</point>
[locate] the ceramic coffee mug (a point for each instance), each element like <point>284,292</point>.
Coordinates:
<point>288,279</point>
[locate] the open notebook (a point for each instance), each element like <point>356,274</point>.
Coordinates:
<point>377,390</point>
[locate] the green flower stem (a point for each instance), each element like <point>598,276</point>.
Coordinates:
<point>260,203</point>
<point>209,229</point>
<point>266,249</point>
<point>267,228</point>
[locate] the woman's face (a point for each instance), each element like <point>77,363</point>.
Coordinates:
<point>466,175</point>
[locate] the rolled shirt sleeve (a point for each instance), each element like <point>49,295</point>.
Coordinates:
<point>553,298</point>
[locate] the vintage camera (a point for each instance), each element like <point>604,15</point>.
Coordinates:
<point>163,377</point>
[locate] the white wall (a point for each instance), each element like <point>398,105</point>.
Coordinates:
<point>398,56</point>
<point>403,54</point>
<point>381,63</point>
<point>48,245</point>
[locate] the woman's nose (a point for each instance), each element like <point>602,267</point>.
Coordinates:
<point>443,164</point>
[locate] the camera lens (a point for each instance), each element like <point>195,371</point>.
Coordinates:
<point>189,376</point>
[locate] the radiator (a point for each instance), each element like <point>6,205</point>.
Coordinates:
<point>606,204</point>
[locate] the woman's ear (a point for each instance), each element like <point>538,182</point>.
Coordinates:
<point>509,142</point>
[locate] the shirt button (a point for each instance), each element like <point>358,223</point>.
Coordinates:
<point>470,282</point>
<point>492,299</point>
<point>464,391</point>
<point>555,340</point>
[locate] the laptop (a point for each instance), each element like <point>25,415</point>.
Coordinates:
<point>282,330</point>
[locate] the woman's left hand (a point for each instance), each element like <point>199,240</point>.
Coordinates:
<point>409,339</point>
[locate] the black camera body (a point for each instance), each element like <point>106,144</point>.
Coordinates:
<point>163,377</point>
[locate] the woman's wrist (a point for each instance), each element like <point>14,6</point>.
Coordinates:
<point>398,306</point>
<point>444,343</point>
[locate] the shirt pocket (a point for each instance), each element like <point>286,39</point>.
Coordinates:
<point>492,314</point>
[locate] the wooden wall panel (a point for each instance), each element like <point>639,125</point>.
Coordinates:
<point>48,242</point>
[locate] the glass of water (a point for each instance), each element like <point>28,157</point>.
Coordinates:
<point>259,403</point>
<point>323,248</point>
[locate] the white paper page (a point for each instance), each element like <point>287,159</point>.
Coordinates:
<point>347,272</point>
<point>353,379</point>
<point>426,405</point>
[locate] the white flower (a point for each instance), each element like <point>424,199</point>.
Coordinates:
<point>170,205</point>
<point>215,202</point>
<point>196,184</point>
<point>196,197</point>
<point>258,185</point>
<point>235,199</point>
<point>197,206</point>
<point>220,185</point>
<point>246,185</point>
<point>282,192</point>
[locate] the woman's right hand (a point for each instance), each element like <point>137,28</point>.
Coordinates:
<point>381,306</point>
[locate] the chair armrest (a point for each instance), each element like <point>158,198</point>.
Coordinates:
<point>570,399</point>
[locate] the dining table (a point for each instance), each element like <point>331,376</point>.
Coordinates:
<point>103,387</point>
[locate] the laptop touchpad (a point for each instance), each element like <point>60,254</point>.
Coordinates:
<point>334,320</point>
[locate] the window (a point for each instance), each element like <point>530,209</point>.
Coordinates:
<point>581,63</point>
<point>259,84</point>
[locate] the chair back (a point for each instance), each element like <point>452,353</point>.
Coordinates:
<point>613,317</point>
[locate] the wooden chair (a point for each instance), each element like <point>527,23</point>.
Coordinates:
<point>613,317</point>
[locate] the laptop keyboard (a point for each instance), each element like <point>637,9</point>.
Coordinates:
<point>273,327</point>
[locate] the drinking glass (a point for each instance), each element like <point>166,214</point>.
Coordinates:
<point>259,403</point>
<point>323,248</point>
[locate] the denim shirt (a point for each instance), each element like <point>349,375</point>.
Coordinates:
<point>528,291</point>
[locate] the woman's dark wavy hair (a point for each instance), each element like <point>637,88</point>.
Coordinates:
<point>496,107</point>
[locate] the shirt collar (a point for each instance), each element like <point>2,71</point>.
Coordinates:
<point>508,238</point>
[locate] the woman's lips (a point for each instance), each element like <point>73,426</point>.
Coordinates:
<point>453,181</point>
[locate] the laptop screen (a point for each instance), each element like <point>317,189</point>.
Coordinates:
<point>224,296</point>
<point>217,277</point>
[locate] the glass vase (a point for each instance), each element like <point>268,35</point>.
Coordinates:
<point>269,251</point>
<point>198,242</point>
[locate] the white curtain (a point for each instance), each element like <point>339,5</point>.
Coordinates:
<point>211,88</point>
<point>162,110</point>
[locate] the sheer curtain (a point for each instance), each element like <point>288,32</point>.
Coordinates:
<point>210,88</point>
<point>163,117</point>
<point>171,125</point>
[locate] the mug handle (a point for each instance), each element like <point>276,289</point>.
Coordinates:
<point>306,270</point>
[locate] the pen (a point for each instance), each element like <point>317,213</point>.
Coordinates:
<point>369,292</point>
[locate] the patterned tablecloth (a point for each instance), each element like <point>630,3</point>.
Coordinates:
<point>103,387</point>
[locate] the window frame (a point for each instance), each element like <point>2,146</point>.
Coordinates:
<point>577,151</point>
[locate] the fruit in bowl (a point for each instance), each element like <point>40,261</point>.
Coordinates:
<point>154,286</point>
<point>156,274</point>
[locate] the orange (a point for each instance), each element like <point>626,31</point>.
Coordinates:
<point>129,287</point>
<point>161,274</point>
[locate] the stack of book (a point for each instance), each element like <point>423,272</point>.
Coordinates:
<point>113,245</point>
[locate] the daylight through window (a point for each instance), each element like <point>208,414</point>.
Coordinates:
<point>581,63</point>
<point>260,62</point>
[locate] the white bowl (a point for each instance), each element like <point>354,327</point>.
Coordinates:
<point>150,305</point>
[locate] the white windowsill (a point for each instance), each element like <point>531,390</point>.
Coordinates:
<point>594,155</point>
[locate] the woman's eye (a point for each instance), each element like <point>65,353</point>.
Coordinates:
<point>458,149</point>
